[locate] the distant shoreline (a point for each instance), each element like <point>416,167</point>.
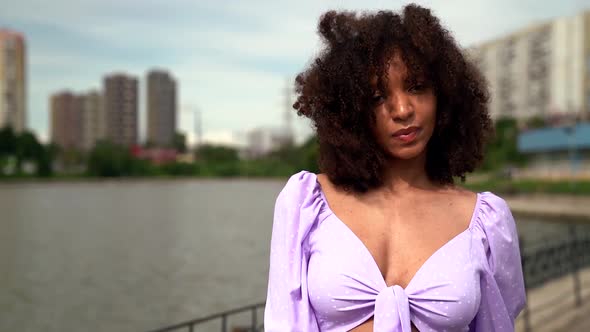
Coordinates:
<point>81,179</point>
<point>561,207</point>
<point>555,206</point>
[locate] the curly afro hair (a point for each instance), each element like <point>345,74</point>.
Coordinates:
<point>335,92</point>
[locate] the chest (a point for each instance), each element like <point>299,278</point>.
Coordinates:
<point>401,239</point>
<point>345,281</point>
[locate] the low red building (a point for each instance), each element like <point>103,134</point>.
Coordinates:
<point>157,156</point>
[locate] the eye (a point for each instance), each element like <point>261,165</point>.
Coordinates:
<point>417,88</point>
<point>377,98</point>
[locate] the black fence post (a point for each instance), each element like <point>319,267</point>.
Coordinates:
<point>223,323</point>
<point>254,319</point>
<point>575,264</point>
<point>526,315</point>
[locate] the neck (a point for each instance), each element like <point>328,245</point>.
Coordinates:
<point>404,175</point>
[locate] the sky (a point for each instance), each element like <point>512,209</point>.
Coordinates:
<point>232,60</point>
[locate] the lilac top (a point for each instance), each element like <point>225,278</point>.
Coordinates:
<point>323,278</point>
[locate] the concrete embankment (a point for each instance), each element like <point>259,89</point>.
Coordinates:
<point>555,207</point>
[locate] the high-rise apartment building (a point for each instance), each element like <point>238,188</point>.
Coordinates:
<point>161,108</point>
<point>120,107</point>
<point>93,119</point>
<point>13,96</point>
<point>77,120</point>
<point>66,120</point>
<point>540,71</point>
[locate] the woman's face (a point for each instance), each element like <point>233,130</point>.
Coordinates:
<point>405,113</point>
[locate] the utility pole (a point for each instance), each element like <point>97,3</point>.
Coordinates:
<point>197,123</point>
<point>198,126</point>
<point>288,113</point>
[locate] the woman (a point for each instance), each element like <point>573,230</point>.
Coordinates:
<point>383,240</point>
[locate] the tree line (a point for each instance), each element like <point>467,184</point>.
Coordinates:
<point>21,154</point>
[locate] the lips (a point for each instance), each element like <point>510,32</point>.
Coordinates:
<point>406,131</point>
<point>406,135</point>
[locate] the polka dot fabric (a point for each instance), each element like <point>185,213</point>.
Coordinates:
<point>323,278</point>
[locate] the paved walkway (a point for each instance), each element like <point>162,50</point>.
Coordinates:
<point>563,315</point>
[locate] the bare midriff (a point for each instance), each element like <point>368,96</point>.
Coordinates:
<point>368,327</point>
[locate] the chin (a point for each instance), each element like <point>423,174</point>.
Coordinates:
<point>407,153</point>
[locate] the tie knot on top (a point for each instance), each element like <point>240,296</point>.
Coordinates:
<point>392,310</point>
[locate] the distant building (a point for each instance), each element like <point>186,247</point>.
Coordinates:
<point>559,152</point>
<point>120,107</point>
<point>66,120</point>
<point>156,156</point>
<point>93,127</point>
<point>161,108</point>
<point>262,141</point>
<point>539,71</point>
<point>13,94</point>
<point>77,120</point>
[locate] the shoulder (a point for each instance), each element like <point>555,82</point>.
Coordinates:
<point>302,188</point>
<point>485,210</point>
<point>458,204</point>
<point>485,202</point>
<point>494,207</point>
<point>298,184</point>
<point>464,199</point>
<point>299,206</point>
<point>494,218</point>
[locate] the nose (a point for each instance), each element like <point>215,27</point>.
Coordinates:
<point>400,107</point>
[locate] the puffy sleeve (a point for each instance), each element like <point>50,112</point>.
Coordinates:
<point>502,283</point>
<point>287,303</point>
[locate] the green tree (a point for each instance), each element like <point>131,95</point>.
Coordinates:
<point>45,160</point>
<point>28,148</point>
<point>179,142</point>
<point>111,160</point>
<point>213,153</point>
<point>502,150</point>
<point>310,152</point>
<point>7,147</point>
<point>72,158</point>
<point>300,157</point>
<point>536,122</point>
<point>180,169</point>
<point>25,147</point>
<point>7,141</point>
<point>218,161</point>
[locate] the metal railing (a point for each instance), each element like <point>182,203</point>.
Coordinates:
<point>223,318</point>
<point>549,262</point>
